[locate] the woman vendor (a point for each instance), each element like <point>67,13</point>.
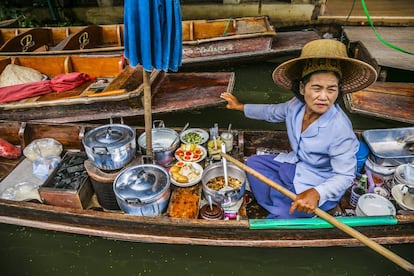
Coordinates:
<point>321,164</point>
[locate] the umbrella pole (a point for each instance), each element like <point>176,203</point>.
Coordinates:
<point>147,112</point>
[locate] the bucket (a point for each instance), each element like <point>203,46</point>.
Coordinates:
<point>380,175</point>
<point>102,184</point>
<point>361,156</point>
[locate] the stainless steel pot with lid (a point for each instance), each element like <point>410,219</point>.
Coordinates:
<point>143,189</point>
<point>164,143</point>
<point>110,147</point>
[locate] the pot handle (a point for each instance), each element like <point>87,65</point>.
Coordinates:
<point>134,201</point>
<point>159,122</point>
<point>230,193</point>
<point>100,150</point>
<point>111,119</point>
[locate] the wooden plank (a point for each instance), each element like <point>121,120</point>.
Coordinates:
<point>402,37</point>
<point>393,101</point>
<point>28,41</point>
<point>88,37</point>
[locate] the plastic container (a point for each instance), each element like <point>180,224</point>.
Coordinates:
<point>404,174</point>
<point>381,175</point>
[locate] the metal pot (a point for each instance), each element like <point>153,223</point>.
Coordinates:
<point>143,190</point>
<point>110,147</point>
<point>227,198</point>
<point>165,141</point>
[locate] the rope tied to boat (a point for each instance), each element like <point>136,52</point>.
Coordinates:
<point>380,38</point>
<point>227,26</point>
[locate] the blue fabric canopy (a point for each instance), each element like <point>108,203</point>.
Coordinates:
<point>153,34</point>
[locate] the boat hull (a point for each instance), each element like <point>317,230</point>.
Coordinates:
<point>169,228</point>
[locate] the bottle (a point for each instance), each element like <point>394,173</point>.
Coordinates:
<point>363,183</point>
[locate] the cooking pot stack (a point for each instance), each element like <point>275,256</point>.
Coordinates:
<point>119,181</point>
<point>123,183</point>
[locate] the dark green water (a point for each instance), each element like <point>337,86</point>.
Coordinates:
<point>27,251</point>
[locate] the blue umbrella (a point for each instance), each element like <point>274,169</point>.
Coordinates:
<point>153,39</point>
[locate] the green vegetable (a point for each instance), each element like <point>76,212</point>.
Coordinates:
<point>193,138</point>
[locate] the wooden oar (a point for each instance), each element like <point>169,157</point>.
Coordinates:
<point>322,214</point>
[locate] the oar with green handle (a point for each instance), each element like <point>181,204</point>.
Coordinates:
<point>322,214</point>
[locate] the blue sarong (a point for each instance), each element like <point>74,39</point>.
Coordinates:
<point>283,174</point>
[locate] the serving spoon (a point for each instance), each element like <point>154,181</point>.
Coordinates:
<point>226,187</point>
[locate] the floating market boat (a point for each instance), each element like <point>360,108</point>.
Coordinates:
<point>204,41</point>
<point>387,100</point>
<point>79,211</point>
<point>115,89</point>
<point>391,97</point>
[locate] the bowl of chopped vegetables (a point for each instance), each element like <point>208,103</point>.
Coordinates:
<point>196,136</point>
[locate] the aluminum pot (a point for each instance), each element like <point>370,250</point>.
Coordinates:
<point>227,198</point>
<point>165,142</point>
<point>143,190</point>
<point>110,147</point>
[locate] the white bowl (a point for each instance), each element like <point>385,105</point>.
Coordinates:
<point>197,167</point>
<point>403,198</point>
<point>375,205</point>
<point>189,155</point>
<point>197,132</point>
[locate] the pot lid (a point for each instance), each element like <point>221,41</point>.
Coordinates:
<point>141,183</point>
<point>112,135</point>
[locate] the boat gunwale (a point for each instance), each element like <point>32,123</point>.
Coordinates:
<point>165,229</point>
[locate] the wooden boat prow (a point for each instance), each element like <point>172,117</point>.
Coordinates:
<point>388,100</point>
<point>119,95</point>
<point>173,228</point>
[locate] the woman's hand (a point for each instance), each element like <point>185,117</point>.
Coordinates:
<point>306,202</point>
<point>232,101</point>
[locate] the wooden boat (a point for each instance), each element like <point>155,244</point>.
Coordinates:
<point>204,41</point>
<point>388,100</point>
<point>116,91</point>
<point>392,96</point>
<point>176,227</point>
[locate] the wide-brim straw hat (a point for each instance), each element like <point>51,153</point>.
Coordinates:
<point>356,74</point>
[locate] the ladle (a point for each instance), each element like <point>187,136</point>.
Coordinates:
<point>226,187</point>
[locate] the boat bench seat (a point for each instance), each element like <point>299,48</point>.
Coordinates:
<point>88,37</point>
<point>28,41</point>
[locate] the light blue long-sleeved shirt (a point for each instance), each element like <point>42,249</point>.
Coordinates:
<point>324,153</point>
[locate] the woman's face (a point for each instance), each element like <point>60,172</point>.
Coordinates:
<point>321,92</point>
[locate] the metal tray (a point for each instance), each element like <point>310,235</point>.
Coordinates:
<point>388,146</point>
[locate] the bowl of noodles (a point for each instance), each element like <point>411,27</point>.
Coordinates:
<point>213,184</point>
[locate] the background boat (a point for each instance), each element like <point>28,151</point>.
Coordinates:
<point>205,42</point>
<point>116,90</point>
<point>392,96</point>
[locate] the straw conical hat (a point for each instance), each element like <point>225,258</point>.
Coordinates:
<point>356,74</point>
